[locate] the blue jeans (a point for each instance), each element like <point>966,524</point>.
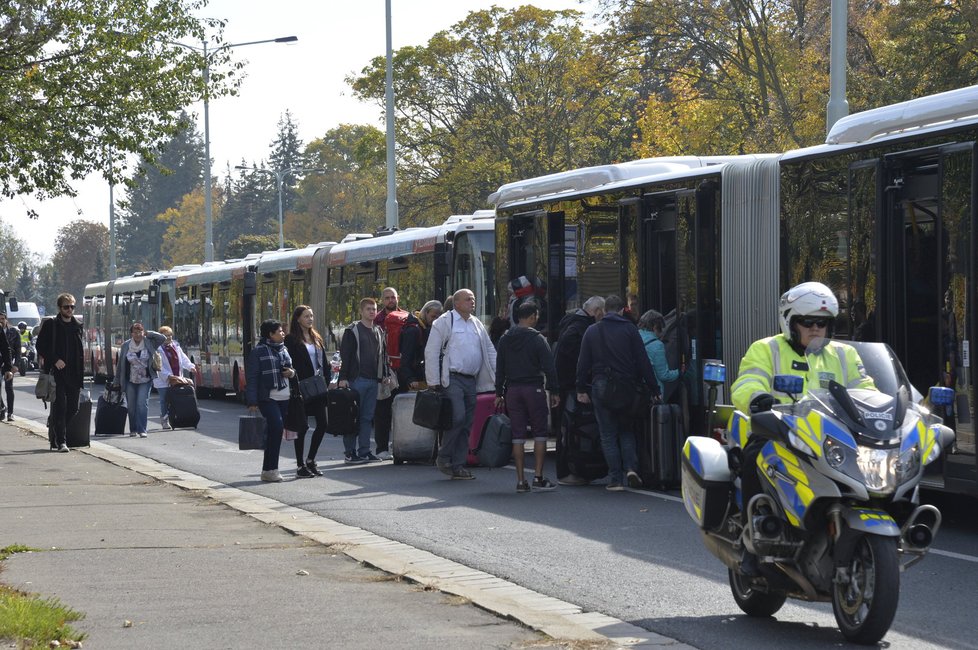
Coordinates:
<point>274,412</point>
<point>137,400</point>
<point>359,445</point>
<point>617,435</point>
<point>455,442</point>
<point>162,394</point>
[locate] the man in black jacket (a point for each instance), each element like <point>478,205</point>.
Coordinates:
<point>59,343</point>
<point>613,348</point>
<point>12,336</point>
<point>572,328</point>
<point>523,361</point>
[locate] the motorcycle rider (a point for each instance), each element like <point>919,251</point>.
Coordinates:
<point>804,348</point>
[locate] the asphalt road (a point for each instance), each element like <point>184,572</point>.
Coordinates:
<point>634,555</point>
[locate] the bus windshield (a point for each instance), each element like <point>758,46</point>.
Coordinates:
<point>475,269</point>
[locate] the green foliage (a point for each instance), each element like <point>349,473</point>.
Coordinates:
<point>34,622</point>
<point>87,84</point>
<point>501,95</point>
<point>15,254</point>
<point>250,208</point>
<point>247,244</point>
<point>158,186</point>
<point>25,283</point>
<point>287,154</point>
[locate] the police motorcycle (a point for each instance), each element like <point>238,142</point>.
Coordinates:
<point>838,516</point>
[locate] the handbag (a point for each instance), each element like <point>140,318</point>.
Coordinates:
<point>387,385</point>
<point>313,388</point>
<point>289,434</point>
<point>252,431</point>
<point>157,362</point>
<point>432,410</point>
<point>46,387</point>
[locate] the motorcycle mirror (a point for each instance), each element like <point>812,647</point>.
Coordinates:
<point>947,438</point>
<point>941,396</point>
<point>789,384</point>
<point>13,304</point>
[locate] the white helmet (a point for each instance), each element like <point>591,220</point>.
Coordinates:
<point>807,299</point>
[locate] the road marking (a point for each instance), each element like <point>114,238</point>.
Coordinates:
<point>202,410</point>
<point>956,556</point>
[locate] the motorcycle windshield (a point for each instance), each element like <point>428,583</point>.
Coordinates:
<point>871,409</point>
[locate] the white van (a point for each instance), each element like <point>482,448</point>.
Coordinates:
<point>26,312</point>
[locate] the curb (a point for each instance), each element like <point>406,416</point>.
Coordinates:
<point>557,619</point>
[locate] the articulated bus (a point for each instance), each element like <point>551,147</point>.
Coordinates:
<point>112,307</point>
<point>884,213</point>
<point>215,307</point>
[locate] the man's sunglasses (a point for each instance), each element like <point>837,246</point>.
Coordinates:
<point>68,307</point>
<point>820,323</point>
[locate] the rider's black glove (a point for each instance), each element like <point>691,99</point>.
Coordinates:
<point>761,403</point>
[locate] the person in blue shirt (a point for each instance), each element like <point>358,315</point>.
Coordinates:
<point>650,326</point>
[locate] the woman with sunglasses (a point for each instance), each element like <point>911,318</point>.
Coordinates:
<point>804,348</point>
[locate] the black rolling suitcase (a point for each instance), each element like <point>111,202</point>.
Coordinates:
<point>660,447</point>
<point>342,411</point>
<point>110,414</point>
<point>181,406</point>
<point>79,428</point>
<point>582,441</point>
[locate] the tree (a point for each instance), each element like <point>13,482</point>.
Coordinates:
<point>501,95</point>
<point>25,283</point>
<point>157,188</point>
<point>47,287</point>
<point>87,84</point>
<point>287,154</point>
<point>77,249</point>
<point>248,244</point>
<point>184,234</point>
<point>14,253</point>
<point>250,208</point>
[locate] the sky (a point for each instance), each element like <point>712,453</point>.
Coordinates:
<point>337,38</point>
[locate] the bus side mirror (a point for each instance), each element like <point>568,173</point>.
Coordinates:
<point>154,294</point>
<point>13,304</point>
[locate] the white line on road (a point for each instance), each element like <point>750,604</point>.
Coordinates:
<point>956,556</point>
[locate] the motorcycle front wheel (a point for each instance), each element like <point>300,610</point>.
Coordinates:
<point>865,604</point>
<point>752,602</point>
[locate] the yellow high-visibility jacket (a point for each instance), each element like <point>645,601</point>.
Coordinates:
<point>775,356</point>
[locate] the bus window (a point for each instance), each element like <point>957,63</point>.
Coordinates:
<point>475,269</point>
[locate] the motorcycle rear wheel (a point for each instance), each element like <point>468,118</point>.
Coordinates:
<point>864,606</point>
<point>752,602</point>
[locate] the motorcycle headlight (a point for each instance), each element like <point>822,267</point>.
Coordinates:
<point>908,464</point>
<point>835,454</point>
<point>878,467</point>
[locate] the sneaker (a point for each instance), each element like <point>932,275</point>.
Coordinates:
<point>63,448</point>
<point>522,486</point>
<point>571,479</point>
<point>543,484</point>
<point>370,458</point>
<point>353,459</point>
<point>10,417</point>
<point>312,467</point>
<point>165,422</point>
<point>143,434</point>
<point>614,487</point>
<point>132,434</point>
<point>443,467</point>
<point>385,455</point>
<point>303,472</point>
<point>271,476</point>
<point>634,480</point>
<point>462,474</point>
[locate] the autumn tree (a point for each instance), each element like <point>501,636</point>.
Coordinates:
<point>501,95</point>
<point>106,75</point>
<point>184,231</point>
<point>77,249</point>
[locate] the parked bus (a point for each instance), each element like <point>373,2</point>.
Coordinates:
<point>883,213</point>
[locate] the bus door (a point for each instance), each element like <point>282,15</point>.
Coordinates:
<point>659,288</point>
<point>926,287</point>
<point>540,249</point>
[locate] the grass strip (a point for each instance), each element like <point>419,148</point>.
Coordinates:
<point>31,621</point>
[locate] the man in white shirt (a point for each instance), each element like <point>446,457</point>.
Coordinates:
<point>461,359</point>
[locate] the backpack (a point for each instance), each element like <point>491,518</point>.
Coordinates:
<point>395,322</point>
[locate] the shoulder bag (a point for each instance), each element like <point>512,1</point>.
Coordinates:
<point>46,387</point>
<point>313,388</point>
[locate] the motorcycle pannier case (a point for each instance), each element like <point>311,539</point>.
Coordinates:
<point>706,481</point>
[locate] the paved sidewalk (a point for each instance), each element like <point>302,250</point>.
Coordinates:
<point>191,573</point>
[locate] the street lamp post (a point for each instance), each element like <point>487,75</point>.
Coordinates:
<point>280,175</point>
<point>207,54</point>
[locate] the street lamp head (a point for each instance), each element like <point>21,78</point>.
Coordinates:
<point>287,39</point>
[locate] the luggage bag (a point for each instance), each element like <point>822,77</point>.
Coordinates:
<point>582,441</point>
<point>79,428</point>
<point>485,406</point>
<point>660,447</point>
<point>495,448</point>
<point>410,443</point>
<point>342,411</point>
<point>432,410</point>
<point>181,406</point>
<point>110,414</point>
